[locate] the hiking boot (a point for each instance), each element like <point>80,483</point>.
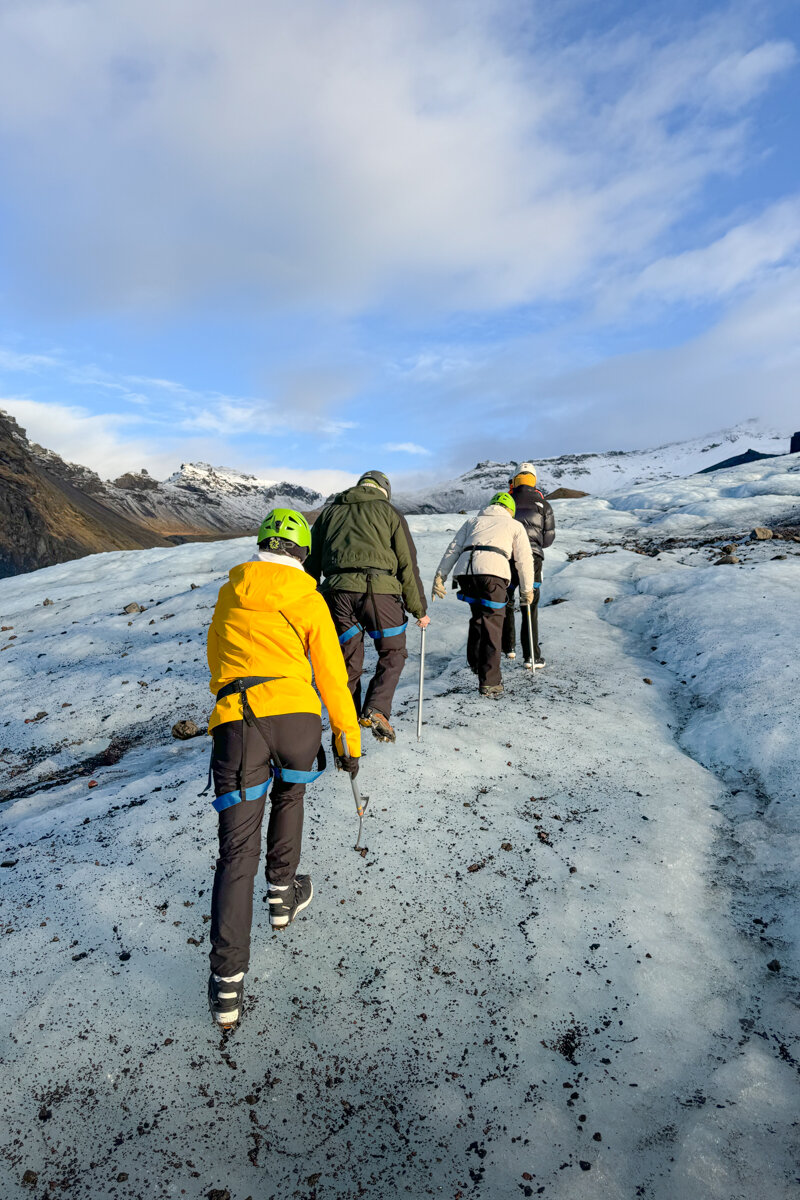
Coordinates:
<point>528,664</point>
<point>539,663</point>
<point>286,904</point>
<point>379,724</point>
<point>493,690</point>
<point>225,999</point>
<point>512,654</point>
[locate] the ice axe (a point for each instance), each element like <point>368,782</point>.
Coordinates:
<point>361,803</point>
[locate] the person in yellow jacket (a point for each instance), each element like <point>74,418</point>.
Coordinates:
<point>266,724</point>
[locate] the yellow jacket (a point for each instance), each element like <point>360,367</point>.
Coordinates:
<point>268,619</point>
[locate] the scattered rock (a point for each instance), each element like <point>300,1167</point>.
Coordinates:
<point>219,1194</point>
<point>122,1176</point>
<point>646,680</point>
<point>778,557</point>
<point>564,493</point>
<point>585,1166</point>
<point>729,548</point>
<point>39,717</point>
<point>475,866</point>
<point>46,603</point>
<point>133,608</point>
<point>30,1179</point>
<point>183,730</point>
<point>9,862</point>
<point>726,558</point>
<point>559,600</point>
<point>760,534</point>
<point>506,846</point>
<point>608,600</point>
<point>774,965</point>
<point>92,783</point>
<point>193,587</point>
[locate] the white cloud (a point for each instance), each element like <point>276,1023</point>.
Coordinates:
<point>346,155</point>
<point>106,442</point>
<point>406,448</point>
<point>738,258</point>
<point>745,366</point>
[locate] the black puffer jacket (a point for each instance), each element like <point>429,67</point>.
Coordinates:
<point>536,514</point>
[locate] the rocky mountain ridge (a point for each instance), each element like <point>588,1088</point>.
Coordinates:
<point>53,511</point>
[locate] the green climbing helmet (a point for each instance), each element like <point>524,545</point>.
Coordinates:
<point>288,524</point>
<point>506,500</point>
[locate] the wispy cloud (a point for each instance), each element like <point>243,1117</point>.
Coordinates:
<point>406,448</point>
<point>739,258</point>
<point>12,360</point>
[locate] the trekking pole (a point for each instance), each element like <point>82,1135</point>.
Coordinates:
<point>360,801</point>
<point>530,638</point>
<point>421,684</point>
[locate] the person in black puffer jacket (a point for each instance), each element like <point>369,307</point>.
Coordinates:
<point>536,514</point>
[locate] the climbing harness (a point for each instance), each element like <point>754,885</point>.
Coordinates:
<point>355,630</point>
<point>276,769</point>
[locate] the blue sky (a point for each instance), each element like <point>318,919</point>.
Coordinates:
<point>305,239</point>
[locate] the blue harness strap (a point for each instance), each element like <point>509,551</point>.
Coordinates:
<point>228,799</point>
<point>289,776</point>
<point>377,634</point>
<point>476,600</point>
<point>538,585</point>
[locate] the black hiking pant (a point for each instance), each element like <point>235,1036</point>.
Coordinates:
<point>357,615</point>
<point>291,740</point>
<point>509,627</point>
<point>486,595</point>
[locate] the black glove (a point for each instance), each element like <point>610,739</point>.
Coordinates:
<point>343,761</point>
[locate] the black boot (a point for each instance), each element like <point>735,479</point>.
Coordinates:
<point>225,1000</point>
<point>285,905</point>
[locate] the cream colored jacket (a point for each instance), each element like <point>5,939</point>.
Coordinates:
<point>494,526</point>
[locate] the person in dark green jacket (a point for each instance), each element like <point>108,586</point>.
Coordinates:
<point>363,547</point>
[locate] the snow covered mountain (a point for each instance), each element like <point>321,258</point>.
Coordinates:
<point>567,966</point>
<point>597,474</point>
<point>202,497</point>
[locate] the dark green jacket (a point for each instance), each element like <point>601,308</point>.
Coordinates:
<point>361,529</point>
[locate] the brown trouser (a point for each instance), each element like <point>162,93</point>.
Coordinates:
<point>486,595</point>
<point>291,740</point>
<point>509,628</point>
<point>360,614</point>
